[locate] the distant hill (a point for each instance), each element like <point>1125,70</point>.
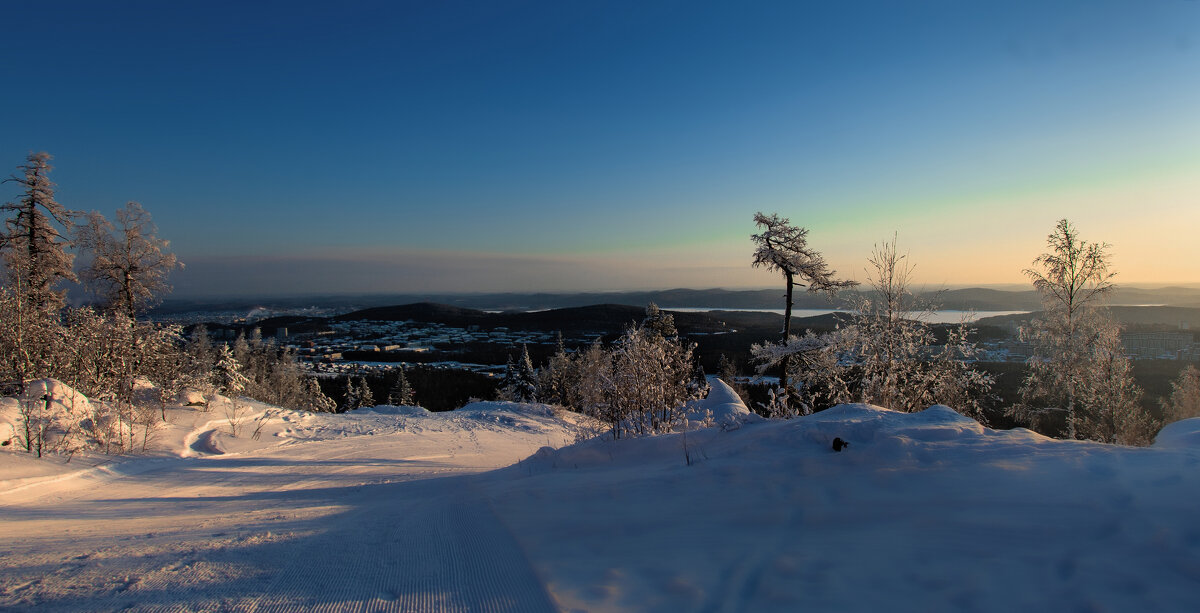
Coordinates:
<point>1164,317</point>
<point>977,298</point>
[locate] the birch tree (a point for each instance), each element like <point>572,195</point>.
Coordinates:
<point>1077,364</point>
<point>1184,401</point>
<point>129,262</point>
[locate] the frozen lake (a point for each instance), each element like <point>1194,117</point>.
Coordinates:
<point>947,316</point>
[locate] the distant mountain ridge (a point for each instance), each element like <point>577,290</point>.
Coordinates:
<point>979,299</point>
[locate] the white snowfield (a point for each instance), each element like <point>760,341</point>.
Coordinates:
<point>396,509</point>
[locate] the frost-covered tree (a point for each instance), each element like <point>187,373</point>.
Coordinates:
<point>589,380</point>
<point>1076,344</point>
<point>1110,400</point>
<point>1184,401</point>
<point>352,400</point>
<point>227,373</point>
<point>35,237</point>
<point>129,263</point>
<point>31,340</point>
<point>33,247</point>
<point>315,399</point>
<point>401,392</point>
<point>557,377</point>
<point>165,364</point>
<point>698,386</point>
<point>521,380</point>
<point>782,247</point>
<point>527,378</point>
<point>509,381</point>
<point>366,398</point>
<point>888,355</point>
<point>649,384</point>
<point>815,362</point>
<point>777,405</point>
<point>638,386</point>
<point>51,419</point>
<point>659,322</point>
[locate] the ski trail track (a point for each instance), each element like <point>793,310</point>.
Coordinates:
<point>347,527</point>
<point>431,546</point>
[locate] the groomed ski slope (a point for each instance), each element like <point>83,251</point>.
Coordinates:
<point>368,511</point>
<point>395,510</point>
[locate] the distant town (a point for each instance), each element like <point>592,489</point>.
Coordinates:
<point>329,345</point>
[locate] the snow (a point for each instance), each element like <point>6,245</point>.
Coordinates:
<point>495,507</point>
<point>1181,434</point>
<point>722,407</point>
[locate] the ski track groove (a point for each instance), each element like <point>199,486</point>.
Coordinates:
<point>444,552</point>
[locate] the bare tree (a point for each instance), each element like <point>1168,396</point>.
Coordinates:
<point>129,264</point>
<point>784,248</point>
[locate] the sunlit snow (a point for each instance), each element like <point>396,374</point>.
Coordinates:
<point>396,509</point>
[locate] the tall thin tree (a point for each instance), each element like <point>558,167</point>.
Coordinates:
<point>783,247</point>
<point>35,240</point>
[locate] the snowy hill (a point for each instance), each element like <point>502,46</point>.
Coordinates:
<point>389,509</point>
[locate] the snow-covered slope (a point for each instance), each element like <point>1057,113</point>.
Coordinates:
<point>387,509</point>
<point>922,512</point>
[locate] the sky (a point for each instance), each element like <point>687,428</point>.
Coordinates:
<point>446,146</point>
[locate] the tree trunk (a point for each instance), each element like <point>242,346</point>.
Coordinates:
<point>787,332</point>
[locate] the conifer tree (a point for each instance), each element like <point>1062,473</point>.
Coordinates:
<point>401,393</point>
<point>315,399</point>
<point>33,247</point>
<point>227,373</point>
<point>351,401</point>
<point>526,378</point>
<point>366,399</point>
<point>660,323</point>
<point>555,379</point>
<point>784,248</point>
<point>35,237</point>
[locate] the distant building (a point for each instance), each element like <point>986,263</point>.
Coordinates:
<point>1159,345</point>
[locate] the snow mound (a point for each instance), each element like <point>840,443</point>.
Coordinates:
<point>10,409</point>
<point>191,398</point>
<point>64,401</point>
<point>1184,433</point>
<point>877,437</point>
<point>61,396</point>
<point>519,408</point>
<point>723,407</point>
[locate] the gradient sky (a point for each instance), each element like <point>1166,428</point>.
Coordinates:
<point>292,147</point>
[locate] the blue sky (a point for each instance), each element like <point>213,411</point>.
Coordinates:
<point>289,147</point>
